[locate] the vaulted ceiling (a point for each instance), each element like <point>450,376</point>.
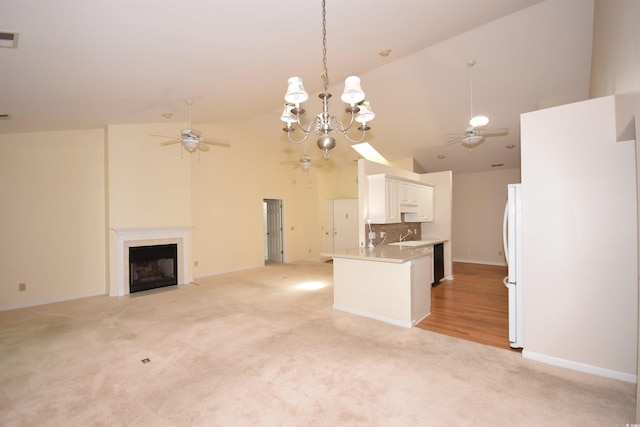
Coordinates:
<point>91,63</point>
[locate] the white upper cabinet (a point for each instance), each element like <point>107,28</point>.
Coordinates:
<point>390,197</point>
<point>383,199</point>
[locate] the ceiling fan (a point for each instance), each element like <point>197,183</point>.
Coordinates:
<point>476,133</point>
<point>191,138</point>
<point>305,162</point>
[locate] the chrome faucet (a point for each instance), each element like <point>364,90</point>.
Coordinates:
<point>405,236</point>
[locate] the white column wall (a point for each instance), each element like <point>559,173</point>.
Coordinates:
<point>580,239</point>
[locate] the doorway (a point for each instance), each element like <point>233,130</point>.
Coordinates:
<point>273,230</point>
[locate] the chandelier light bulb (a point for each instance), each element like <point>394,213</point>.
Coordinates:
<point>353,93</point>
<point>365,114</point>
<point>287,116</point>
<point>295,92</point>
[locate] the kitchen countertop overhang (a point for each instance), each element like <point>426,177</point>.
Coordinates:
<point>387,253</point>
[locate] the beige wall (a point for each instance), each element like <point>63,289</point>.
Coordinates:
<point>149,185</point>
<point>479,200</point>
<point>53,216</point>
<point>62,193</point>
<point>615,60</point>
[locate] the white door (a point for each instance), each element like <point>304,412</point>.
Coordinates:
<point>329,229</point>
<point>273,230</point>
<point>345,223</point>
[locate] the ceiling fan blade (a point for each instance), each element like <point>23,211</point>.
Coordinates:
<point>495,132</point>
<point>173,141</point>
<point>162,136</point>
<point>203,147</point>
<point>218,142</point>
<point>292,162</point>
<point>454,140</point>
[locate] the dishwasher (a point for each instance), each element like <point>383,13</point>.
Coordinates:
<point>438,263</point>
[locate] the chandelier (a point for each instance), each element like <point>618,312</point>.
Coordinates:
<point>324,123</point>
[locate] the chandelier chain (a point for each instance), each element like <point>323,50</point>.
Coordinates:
<point>325,73</point>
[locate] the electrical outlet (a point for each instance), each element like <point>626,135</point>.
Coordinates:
<point>499,252</point>
<point>22,287</point>
<point>372,235</point>
<point>383,234</point>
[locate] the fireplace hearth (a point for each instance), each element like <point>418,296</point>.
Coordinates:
<point>152,267</point>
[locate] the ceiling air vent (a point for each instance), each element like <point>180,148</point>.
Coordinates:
<point>8,39</point>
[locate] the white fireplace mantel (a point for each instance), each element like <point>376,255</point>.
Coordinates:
<point>141,236</point>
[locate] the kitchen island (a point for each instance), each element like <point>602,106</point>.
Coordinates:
<point>391,283</point>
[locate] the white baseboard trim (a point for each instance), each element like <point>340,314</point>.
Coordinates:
<point>475,261</point>
<point>578,366</point>
<point>50,301</point>
<point>415,322</point>
<point>216,273</point>
<point>372,316</point>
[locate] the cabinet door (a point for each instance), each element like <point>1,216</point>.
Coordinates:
<point>425,203</point>
<point>383,200</point>
<point>405,193</point>
<point>392,207</point>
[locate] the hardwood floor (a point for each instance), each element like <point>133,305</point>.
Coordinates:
<point>473,306</point>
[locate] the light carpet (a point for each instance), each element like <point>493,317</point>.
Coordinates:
<point>259,348</point>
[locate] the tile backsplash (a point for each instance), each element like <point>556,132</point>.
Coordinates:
<point>394,231</point>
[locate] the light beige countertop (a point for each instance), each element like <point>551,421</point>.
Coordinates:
<point>387,253</point>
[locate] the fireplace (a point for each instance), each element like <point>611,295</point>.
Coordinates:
<point>151,267</point>
<point>126,238</point>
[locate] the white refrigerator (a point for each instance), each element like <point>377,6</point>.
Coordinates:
<point>512,240</point>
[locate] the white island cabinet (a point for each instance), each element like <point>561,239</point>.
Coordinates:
<point>387,283</point>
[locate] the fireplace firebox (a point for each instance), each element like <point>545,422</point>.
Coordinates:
<point>152,267</point>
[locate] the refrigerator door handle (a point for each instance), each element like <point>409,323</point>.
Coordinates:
<point>505,245</point>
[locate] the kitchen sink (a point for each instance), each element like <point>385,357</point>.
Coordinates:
<point>411,243</point>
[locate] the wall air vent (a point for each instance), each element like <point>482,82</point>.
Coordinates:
<point>4,117</point>
<point>8,39</point>
<point>497,165</point>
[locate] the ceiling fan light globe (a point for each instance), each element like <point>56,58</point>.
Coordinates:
<point>472,140</point>
<point>353,93</point>
<point>295,91</point>
<point>190,144</point>
<point>478,121</point>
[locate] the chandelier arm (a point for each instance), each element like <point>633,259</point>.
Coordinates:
<point>355,141</point>
<point>302,128</point>
<point>342,127</point>
<point>304,138</point>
